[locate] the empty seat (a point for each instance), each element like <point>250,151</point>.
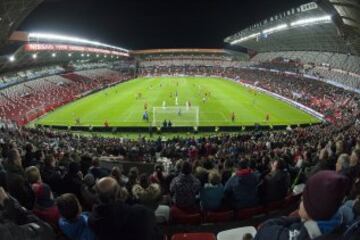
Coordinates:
<point>179,216</point>
<point>236,233</point>
<point>194,236</point>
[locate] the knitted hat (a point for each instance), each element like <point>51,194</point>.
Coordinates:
<point>324,193</point>
<point>43,196</point>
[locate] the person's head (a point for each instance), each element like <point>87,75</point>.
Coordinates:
<point>14,157</point>
<point>144,180</point>
<point>343,162</point>
<point>133,173</point>
<point>247,236</point>
<point>186,168</point>
<point>159,168</point>
<point>244,164</point>
<point>89,180</point>
<point>109,191</point>
<point>69,206</point>
<point>323,155</point>
<point>324,187</point>
<point>32,175</point>
<point>49,160</point>
<point>43,195</point>
<point>355,157</point>
<point>95,162</point>
<point>116,173</point>
<point>214,177</point>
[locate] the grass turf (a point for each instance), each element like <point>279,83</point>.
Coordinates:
<point>121,106</point>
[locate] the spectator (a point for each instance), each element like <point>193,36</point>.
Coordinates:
<point>184,188</point>
<point>73,222</point>
<point>112,218</point>
<point>212,194</point>
<point>241,189</point>
<point>317,218</point>
<point>343,164</point>
<point>19,223</point>
<point>44,206</point>
<point>88,192</point>
<point>17,186</point>
<point>117,173</point>
<point>276,183</point>
<point>72,181</point>
<point>32,175</point>
<point>96,170</point>
<point>51,175</point>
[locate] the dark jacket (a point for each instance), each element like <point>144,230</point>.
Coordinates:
<point>290,228</point>
<point>16,223</point>
<point>52,177</point>
<point>121,221</point>
<point>241,189</point>
<point>18,187</point>
<point>276,186</point>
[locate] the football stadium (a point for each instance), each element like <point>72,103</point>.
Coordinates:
<point>150,120</point>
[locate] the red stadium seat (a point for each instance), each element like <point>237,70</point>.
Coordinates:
<point>246,213</point>
<point>179,216</point>
<point>218,216</point>
<point>194,236</point>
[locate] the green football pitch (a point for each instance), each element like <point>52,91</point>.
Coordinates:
<point>212,103</point>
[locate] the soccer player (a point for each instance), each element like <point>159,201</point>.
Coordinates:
<point>146,116</point>
<point>145,106</point>
<point>233,117</point>
<point>179,111</point>
<point>267,117</point>
<point>164,104</point>
<point>204,99</point>
<point>106,124</point>
<point>176,101</point>
<point>77,121</point>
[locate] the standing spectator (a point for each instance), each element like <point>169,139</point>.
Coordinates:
<point>241,189</point>
<point>72,181</point>
<point>73,222</point>
<point>185,187</point>
<point>51,175</point>
<point>212,194</point>
<point>343,164</point>
<point>17,186</point>
<point>322,197</point>
<point>44,206</point>
<point>113,219</point>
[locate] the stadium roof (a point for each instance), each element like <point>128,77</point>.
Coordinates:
<point>324,25</point>
<point>12,12</point>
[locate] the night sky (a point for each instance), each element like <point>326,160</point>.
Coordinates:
<point>145,24</point>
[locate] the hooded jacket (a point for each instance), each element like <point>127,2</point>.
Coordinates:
<point>78,229</point>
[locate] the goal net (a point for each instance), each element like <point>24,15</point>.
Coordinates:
<point>179,116</point>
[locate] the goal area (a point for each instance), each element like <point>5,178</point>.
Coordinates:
<point>179,116</point>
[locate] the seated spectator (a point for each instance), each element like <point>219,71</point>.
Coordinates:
<point>159,176</point>
<point>18,223</point>
<point>44,206</point>
<point>113,219</point>
<point>212,194</point>
<point>32,175</point>
<point>354,171</point>
<point>322,197</point>
<point>17,186</point>
<point>184,188</point>
<point>350,211</point>
<point>73,222</point>
<point>276,183</point>
<point>241,189</point>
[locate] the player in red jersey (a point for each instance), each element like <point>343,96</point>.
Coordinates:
<point>233,117</point>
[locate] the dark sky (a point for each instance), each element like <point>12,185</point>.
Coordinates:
<point>144,24</point>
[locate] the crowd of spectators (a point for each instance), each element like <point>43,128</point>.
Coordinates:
<point>53,185</point>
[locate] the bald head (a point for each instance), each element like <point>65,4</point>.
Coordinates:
<point>107,189</point>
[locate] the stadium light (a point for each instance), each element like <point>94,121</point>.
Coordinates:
<point>53,54</point>
<point>34,56</point>
<point>82,55</point>
<point>97,55</point>
<point>275,29</point>
<point>105,56</point>
<point>312,20</point>
<point>254,35</point>
<point>69,54</point>
<point>56,37</point>
<point>88,55</point>
<point>12,58</point>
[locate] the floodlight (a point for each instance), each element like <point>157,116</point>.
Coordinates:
<point>275,29</point>
<point>12,58</point>
<point>88,55</point>
<point>82,55</point>
<point>254,35</point>
<point>64,38</point>
<point>311,20</point>
<point>53,54</point>
<point>34,56</point>
<point>97,55</point>
<point>69,54</point>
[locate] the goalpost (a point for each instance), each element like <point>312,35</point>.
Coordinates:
<point>179,116</point>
